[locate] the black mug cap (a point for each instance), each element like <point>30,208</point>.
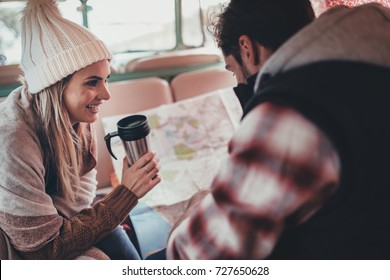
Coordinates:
<point>133,127</point>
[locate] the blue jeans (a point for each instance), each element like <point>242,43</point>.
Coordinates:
<point>118,246</point>
<point>151,229</point>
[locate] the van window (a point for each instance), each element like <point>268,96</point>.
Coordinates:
<point>10,50</point>
<point>134,28</point>
<point>191,19</point>
<point>125,25</point>
<point>133,25</point>
<point>210,8</point>
<point>131,28</point>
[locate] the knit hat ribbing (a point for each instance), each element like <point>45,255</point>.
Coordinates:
<point>54,47</point>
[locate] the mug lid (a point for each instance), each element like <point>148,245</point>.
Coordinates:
<point>133,127</point>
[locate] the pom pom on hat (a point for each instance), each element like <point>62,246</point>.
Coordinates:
<point>54,47</point>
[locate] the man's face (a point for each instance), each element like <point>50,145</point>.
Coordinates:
<point>241,72</point>
<point>253,56</point>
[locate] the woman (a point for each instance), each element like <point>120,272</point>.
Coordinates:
<point>47,175</point>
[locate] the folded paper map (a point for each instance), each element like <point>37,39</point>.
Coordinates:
<point>190,137</point>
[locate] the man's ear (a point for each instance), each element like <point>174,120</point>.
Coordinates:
<point>247,49</point>
<point>254,54</point>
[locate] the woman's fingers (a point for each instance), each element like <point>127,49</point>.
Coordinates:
<point>142,176</point>
<point>155,180</point>
<point>144,160</point>
<point>125,163</point>
<point>152,165</point>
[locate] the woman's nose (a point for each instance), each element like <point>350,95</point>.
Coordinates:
<point>104,94</point>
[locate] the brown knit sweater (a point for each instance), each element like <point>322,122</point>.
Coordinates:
<point>80,232</point>
<point>41,225</point>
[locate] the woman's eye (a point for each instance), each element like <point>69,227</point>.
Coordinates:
<point>92,83</point>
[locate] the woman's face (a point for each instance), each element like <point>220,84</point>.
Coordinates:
<point>85,91</point>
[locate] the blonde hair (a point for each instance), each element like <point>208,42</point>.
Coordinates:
<point>63,145</point>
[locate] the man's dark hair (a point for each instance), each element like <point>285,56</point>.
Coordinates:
<point>267,22</point>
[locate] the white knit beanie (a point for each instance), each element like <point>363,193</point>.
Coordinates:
<point>54,47</point>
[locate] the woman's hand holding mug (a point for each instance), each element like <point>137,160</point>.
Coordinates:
<point>143,175</point>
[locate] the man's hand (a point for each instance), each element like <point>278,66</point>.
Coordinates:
<point>192,205</point>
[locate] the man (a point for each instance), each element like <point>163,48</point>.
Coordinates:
<point>307,173</point>
<point>248,32</point>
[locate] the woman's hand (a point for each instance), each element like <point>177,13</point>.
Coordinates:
<point>142,176</point>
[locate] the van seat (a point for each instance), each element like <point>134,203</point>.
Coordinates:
<point>10,73</point>
<point>191,84</point>
<point>171,59</point>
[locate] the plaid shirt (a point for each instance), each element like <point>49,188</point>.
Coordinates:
<point>281,169</point>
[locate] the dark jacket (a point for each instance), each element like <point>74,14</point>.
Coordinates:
<point>350,103</point>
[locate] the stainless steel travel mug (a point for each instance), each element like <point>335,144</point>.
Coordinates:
<point>134,133</point>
